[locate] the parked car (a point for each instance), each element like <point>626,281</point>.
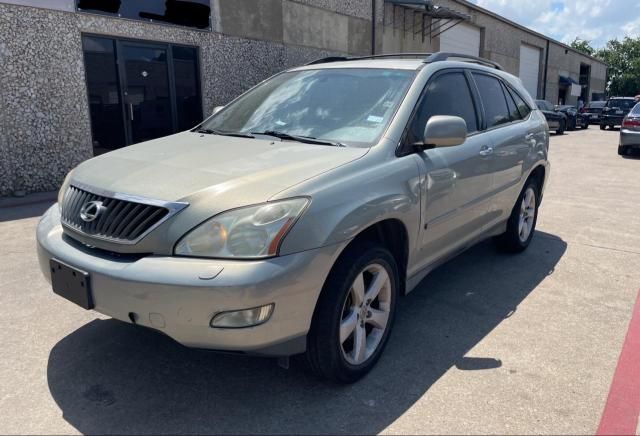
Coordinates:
<point>615,110</point>
<point>293,219</point>
<point>574,117</point>
<point>593,110</point>
<point>630,132</point>
<point>556,120</point>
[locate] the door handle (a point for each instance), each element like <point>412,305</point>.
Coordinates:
<point>486,151</point>
<point>131,111</point>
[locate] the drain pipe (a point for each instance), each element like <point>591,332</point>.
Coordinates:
<point>546,71</point>
<point>373,27</point>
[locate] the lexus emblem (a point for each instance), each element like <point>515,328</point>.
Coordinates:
<point>91,210</point>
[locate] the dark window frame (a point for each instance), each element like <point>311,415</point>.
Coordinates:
<point>209,28</point>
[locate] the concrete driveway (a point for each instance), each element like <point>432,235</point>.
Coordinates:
<point>488,343</point>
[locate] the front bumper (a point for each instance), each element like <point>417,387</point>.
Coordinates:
<point>167,294</point>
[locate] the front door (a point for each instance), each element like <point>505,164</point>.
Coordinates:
<point>139,91</point>
<point>458,180</point>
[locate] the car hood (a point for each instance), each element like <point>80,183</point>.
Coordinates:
<point>187,164</point>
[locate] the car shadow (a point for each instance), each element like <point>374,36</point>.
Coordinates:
<point>10,213</point>
<point>113,377</point>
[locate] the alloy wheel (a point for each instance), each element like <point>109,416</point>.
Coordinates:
<point>365,314</point>
<point>527,214</point>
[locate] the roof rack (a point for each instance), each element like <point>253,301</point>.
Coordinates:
<point>428,58</point>
<point>442,56</point>
<point>359,58</point>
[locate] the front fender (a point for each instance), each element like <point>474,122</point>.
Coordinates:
<point>351,198</point>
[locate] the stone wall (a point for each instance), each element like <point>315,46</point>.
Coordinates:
<point>44,116</point>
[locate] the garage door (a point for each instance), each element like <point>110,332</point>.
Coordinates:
<point>463,38</point>
<point>530,68</point>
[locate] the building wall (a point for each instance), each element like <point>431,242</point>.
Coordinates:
<point>44,113</point>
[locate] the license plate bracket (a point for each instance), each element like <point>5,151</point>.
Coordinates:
<point>71,283</point>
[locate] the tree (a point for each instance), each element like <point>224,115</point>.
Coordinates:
<point>583,45</point>
<point>623,61</point>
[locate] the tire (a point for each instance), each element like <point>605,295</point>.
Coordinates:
<point>622,151</point>
<point>572,125</point>
<point>563,125</point>
<point>585,126</point>
<point>602,127</point>
<point>331,356</point>
<point>514,240</point>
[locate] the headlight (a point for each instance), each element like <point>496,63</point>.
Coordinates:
<point>248,232</point>
<point>63,188</point>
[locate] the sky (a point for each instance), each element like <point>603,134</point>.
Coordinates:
<point>593,20</point>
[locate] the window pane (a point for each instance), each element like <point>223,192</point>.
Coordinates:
<point>514,113</point>
<point>107,125</point>
<point>188,103</point>
<point>495,105</point>
<point>446,95</point>
<point>191,13</point>
<point>523,107</point>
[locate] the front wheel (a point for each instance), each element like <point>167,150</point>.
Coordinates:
<point>355,313</point>
<point>522,222</point>
<point>560,130</point>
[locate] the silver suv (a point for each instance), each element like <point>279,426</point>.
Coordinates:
<point>293,219</point>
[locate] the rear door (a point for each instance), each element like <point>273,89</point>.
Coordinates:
<point>507,119</point>
<point>458,179</point>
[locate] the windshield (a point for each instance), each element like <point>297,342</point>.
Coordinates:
<point>352,106</point>
<point>621,103</point>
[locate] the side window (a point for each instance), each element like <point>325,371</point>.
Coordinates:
<point>514,113</point>
<point>495,105</point>
<point>447,94</point>
<point>523,107</point>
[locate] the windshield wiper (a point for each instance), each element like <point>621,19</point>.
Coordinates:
<point>299,138</point>
<point>222,133</point>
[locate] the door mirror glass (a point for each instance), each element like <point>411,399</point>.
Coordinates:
<point>217,109</point>
<point>445,131</point>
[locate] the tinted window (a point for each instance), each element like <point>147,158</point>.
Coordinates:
<point>495,105</point>
<point>349,105</point>
<point>523,107</point>
<point>191,13</point>
<point>185,66</point>
<point>514,113</point>
<point>447,94</point>
<point>596,104</point>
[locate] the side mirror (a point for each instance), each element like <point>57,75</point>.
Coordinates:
<point>445,131</point>
<point>217,109</point>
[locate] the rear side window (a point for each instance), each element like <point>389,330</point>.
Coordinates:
<point>495,105</point>
<point>447,94</point>
<point>523,107</point>
<point>636,110</point>
<point>514,113</point>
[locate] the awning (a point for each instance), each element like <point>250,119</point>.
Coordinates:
<point>441,18</point>
<point>566,80</point>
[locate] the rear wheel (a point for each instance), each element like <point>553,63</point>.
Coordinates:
<point>602,127</point>
<point>355,313</point>
<point>522,222</point>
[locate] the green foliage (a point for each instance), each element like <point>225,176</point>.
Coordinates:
<point>623,60</point>
<point>583,46</point>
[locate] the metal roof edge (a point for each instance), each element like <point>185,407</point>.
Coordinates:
<point>526,29</point>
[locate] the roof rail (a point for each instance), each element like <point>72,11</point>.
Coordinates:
<point>442,56</point>
<point>358,58</point>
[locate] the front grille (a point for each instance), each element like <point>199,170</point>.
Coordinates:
<point>118,220</point>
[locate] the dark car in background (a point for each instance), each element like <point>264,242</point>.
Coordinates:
<point>574,118</point>
<point>593,110</point>
<point>556,120</point>
<point>615,110</point>
<point>630,132</point>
